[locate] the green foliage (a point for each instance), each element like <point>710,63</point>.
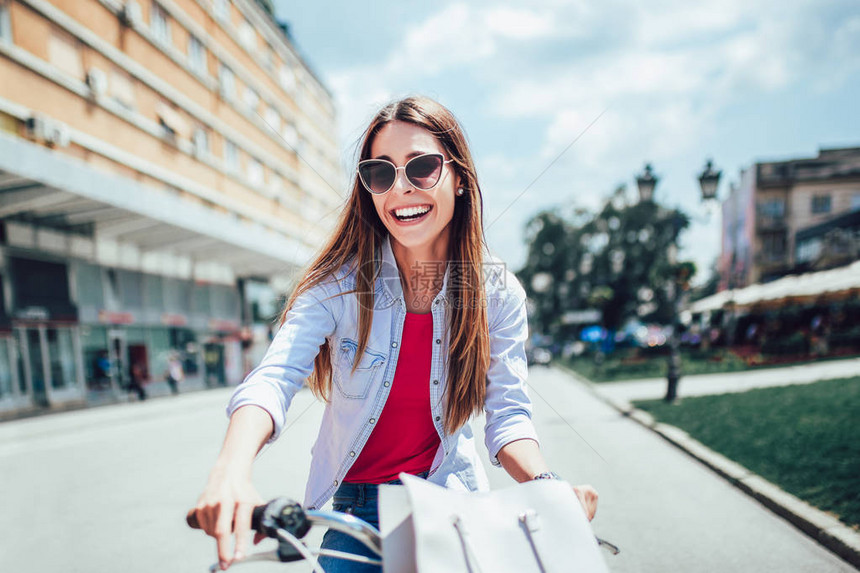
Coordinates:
<point>638,363</point>
<point>616,260</point>
<point>803,438</point>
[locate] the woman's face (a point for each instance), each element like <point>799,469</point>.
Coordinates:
<point>398,142</point>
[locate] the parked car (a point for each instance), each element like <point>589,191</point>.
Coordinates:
<point>539,355</point>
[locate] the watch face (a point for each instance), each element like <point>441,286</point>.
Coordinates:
<point>547,475</point>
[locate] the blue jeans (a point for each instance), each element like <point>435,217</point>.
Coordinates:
<point>362,501</point>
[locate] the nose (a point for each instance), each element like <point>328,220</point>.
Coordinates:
<point>401,182</point>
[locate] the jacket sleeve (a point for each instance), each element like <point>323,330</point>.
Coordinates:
<point>289,359</point>
<point>507,405</point>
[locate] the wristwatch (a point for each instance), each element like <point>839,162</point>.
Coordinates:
<point>547,475</point>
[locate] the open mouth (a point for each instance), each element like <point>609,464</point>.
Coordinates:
<point>412,214</point>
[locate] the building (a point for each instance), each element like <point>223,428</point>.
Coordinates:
<point>778,207</point>
<point>165,168</point>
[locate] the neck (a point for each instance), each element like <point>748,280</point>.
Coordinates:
<point>422,267</point>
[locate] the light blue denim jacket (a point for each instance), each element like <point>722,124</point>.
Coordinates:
<point>357,399</point>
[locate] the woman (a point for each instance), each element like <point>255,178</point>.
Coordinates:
<point>406,327</point>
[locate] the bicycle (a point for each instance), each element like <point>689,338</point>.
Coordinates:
<point>287,522</point>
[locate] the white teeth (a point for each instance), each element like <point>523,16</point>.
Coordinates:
<point>411,211</point>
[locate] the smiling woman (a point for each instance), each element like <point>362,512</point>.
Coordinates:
<point>397,328</point>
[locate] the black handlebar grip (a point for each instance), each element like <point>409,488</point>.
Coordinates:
<point>191,519</point>
<point>256,519</point>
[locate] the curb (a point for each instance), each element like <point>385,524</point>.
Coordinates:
<point>828,531</point>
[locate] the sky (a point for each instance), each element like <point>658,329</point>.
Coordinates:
<point>563,101</point>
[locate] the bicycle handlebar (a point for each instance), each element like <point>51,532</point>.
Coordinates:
<point>286,514</point>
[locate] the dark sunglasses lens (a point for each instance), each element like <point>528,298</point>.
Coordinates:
<point>424,171</point>
<point>377,176</point>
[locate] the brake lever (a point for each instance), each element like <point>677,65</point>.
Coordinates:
<point>608,546</point>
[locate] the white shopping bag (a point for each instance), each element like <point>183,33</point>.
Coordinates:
<point>537,526</point>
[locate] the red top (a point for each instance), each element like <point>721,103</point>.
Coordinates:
<point>404,438</point>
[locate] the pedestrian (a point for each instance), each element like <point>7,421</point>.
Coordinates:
<point>394,326</point>
<point>138,379</point>
<point>175,373</point>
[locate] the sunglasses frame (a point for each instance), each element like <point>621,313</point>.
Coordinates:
<point>396,169</point>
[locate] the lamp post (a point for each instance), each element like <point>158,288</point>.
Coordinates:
<point>709,181</point>
<point>646,182</point>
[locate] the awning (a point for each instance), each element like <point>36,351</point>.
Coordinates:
<point>833,281</point>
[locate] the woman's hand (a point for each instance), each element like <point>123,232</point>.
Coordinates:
<point>225,507</point>
<point>588,498</point>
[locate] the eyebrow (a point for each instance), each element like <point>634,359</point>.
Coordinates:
<point>409,156</point>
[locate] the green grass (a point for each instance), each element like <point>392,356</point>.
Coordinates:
<point>804,438</point>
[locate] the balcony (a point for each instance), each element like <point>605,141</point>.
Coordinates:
<point>769,223</point>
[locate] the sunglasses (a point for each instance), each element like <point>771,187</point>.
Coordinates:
<point>423,172</point>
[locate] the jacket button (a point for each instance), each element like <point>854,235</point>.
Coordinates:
<point>387,384</point>
<point>438,341</point>
<point>438,418</point>
<point>393,345</point>
<point>335,482</point>
<point>372,420</point>
<point>435,381</point>
<point>352,454</point>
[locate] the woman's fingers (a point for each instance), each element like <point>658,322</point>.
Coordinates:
<point>588,498</point>
<point>223,533</point>
<point>244,511</point>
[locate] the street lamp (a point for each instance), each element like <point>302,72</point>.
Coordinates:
<point>709,181</point>
<point>646,182</point>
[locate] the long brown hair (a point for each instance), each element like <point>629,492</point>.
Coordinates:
<point>359,238</point>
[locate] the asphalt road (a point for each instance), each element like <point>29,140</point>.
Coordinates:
<point>106,489</point>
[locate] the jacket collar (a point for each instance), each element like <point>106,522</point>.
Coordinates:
<point>390,275</point>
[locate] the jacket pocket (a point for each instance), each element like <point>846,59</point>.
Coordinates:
<point>356,384</point>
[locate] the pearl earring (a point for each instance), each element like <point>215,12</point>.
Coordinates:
<point>460,191</point>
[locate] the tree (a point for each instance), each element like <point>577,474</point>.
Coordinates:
<point>620,261</point>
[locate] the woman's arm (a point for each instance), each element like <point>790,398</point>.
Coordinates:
<point>257,412</point>
<point>523,461</point>
<point>509,429</point>
<point>229,493</point>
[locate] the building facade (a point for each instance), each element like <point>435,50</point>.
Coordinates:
<point>166,167</point>
<point>777,208</point>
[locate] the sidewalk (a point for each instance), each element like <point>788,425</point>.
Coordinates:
<point>702,384</point>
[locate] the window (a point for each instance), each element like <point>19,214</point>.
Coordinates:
<point>256,176</point>
<point>201,142</point>
<point>287,78</point>
<point>65,54</point>
<point>196,55</point>
<point>773,246</point>
<point>269,57</point>
<point>121,88</point>
<point>231,156</point>
<point>273,119</point>
<point>221,9</point>
<point>5,22</point>
<point>247,35</point>
<point>159,24</point>
<point>820,204</point>
<point>772,208</point>
<point>228,82</point>
<point>290,135</point>
<point>172,122</point>
<point>251,99</point>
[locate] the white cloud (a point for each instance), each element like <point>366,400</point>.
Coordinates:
<point>519,23</point>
